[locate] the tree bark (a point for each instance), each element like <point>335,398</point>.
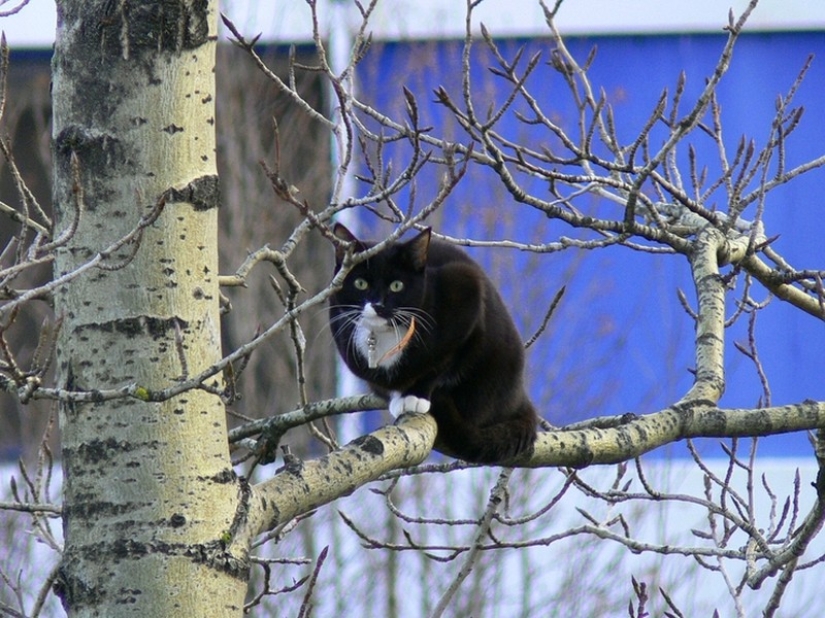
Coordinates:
<point>149,489</point>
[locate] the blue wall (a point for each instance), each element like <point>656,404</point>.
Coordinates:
<point>620,341</point>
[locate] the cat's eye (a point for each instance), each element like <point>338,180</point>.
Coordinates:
<point>396,286</point>
<point>361,284</point>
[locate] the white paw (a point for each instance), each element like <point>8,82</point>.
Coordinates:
<point>403,404</point>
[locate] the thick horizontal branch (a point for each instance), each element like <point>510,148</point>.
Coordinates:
<point>302,486</point>
<point>643,434</point>
<point>617,439</point>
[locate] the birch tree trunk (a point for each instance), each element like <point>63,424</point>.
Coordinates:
<point>149,490</point>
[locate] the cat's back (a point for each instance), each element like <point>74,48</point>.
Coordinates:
<point>454,269</point>
<point>465,289</point>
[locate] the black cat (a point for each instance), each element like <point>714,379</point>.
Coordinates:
<point>424,326</point>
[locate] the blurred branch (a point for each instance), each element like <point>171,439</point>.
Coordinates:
<point>493,503</point>
<point>52,510</point>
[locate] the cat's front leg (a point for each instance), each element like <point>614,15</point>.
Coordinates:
<point>404,404</point>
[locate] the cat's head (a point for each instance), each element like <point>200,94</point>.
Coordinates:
<point>392,280</point>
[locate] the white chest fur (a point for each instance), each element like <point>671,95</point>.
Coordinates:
<point>375,338</point>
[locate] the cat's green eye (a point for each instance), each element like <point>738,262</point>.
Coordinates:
<point>361,284</point>
<point>396,286</point>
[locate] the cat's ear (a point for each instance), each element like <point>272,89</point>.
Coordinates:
<point>342,233</point>
<point>418,248</point>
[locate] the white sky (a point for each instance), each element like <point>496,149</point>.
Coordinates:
<point>287,20</point>
<point>32,26</point>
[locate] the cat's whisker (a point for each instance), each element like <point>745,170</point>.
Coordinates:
<point>423,320</point>
<point>346,310</point>
<point>352,313</point>
<point>342,321</point>
<point>403,320</point>
<point>348,319</point>
<point>315,314</point>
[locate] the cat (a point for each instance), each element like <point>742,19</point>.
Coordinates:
<point>424,326</point>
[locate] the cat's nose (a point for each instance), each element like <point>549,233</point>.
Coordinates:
<point>377,310</point>
<point>382,311</point>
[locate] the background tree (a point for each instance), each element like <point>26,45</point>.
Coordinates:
<point>156,519</point>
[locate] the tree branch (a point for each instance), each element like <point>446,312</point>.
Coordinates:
<point>643,434</point>
<point>302,486</point>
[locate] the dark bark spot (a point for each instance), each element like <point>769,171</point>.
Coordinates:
<point>125,548</point>
<point>227,475</point>
<point>151,27</point>
<point>203,193</point>
<point>73,592</point>
<point>214,555</point>
<point>100,154</point>
<point>96,451</point>
<point>132,327</point>
<point>82,141</point>
<point>371,445</point>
